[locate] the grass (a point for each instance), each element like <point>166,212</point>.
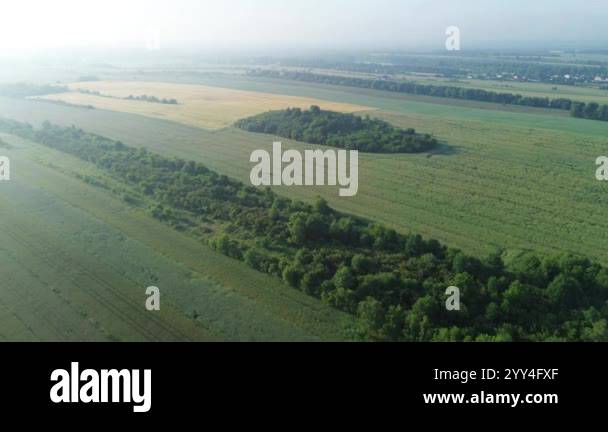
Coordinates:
<point>517,180</point>
<point>75,263</point>
<point>203,106</point>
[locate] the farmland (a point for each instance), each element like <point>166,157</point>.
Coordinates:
<point>75,264</point>
<point>202,106</point>
<point>509,179</point>
<point>344,261</point>
<point>502,177</point>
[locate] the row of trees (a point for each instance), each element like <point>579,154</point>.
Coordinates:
<point>66,104</point>
<point>444,91</point>
<point>153,99</point>
<point>335,129</point>
<point>591,111</point>
<point>392,282</point>
<point>23,90</point>
<point>541,68</point>
<point>143,98</point>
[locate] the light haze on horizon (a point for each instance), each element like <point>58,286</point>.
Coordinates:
<point>41,25</point>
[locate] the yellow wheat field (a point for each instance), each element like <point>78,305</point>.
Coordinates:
<point>202,106</point>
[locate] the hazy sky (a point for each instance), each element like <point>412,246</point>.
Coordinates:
<point>43,24</point>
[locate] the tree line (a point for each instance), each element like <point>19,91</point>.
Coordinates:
<point>335,129</point>
<point>153,99</point>
<point>592,111</point>
<point>142,98</point>
<point>393,283</point>
<point>537,68</point>
<point>23,90</point>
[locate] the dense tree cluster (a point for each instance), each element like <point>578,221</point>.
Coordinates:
<point>578,109</point>
<point>335,129</point>
<point>23,90</point>
<point>393,283</point>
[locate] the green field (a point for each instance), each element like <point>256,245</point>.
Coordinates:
<point>76,260</point>
<point>515,180</point>
<point>75,263</point>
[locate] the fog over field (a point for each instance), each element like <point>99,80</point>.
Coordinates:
<point>280,24</point>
